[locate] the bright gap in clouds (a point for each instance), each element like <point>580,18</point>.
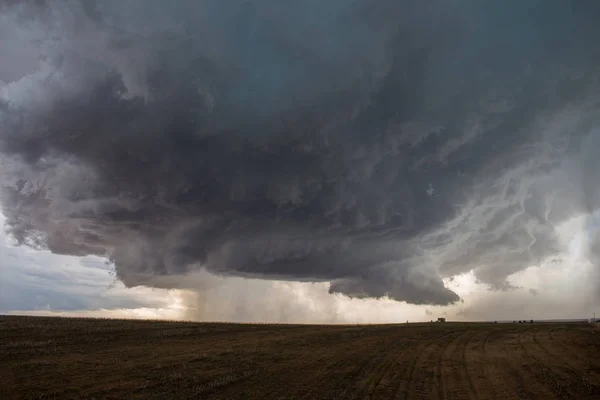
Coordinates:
<point>561,287</point>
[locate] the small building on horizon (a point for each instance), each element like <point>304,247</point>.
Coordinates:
<point>441,319</point>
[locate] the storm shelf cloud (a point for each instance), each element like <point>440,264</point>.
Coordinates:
<point>378,146</point>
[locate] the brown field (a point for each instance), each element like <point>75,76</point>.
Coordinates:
<point>47,358</point>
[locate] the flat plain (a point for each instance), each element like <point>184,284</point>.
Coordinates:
<point>64,358</point>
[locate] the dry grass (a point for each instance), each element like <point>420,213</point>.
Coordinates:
<point>46,358</point>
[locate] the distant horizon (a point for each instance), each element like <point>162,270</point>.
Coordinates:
<point>552,320</point>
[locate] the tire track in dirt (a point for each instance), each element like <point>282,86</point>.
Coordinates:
<point>369,361</point>
<point>319,384</point>
<point>540,378</point>
<point>305,384</point>
<point>410,367</point>
<point>482,362</point>
<point>473,391</point>
<point>565,375</point>
<point>286,377</point>
<point>424,373</point>
<point>396,368</point>
<point>587,368</point>
<point>357,388</point>
<point>523,389</point>
<point>558,349</point>
<point>454,379</point>
<point>386,382</point>
<point>384,365</point>
<point>454,364</point>
<point>438,377</point>
<point>503,367</point>
<point>387,385</point>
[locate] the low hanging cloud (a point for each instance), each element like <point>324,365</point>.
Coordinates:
<point>379,147</point>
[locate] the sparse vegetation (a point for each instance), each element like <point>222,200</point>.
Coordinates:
<point>115,359</point>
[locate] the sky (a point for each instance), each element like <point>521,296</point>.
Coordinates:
<point>312,162</point>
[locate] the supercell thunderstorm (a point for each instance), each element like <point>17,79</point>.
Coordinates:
<point>379,146</point>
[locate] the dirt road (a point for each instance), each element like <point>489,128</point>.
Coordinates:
<point>79,358</point>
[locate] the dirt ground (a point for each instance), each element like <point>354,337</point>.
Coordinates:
<point>46,358</point>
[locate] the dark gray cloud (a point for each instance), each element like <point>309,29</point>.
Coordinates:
<point>380,147</point>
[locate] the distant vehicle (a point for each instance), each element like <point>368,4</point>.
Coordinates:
<point>441,320</point>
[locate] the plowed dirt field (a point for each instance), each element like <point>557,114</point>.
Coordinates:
<point>47,358</point>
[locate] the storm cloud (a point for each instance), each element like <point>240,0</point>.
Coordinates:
<point>379,146</point>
